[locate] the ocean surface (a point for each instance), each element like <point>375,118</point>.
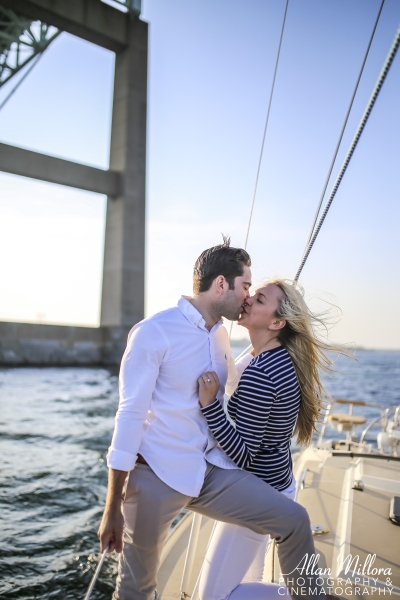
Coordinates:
<point>55,427</point>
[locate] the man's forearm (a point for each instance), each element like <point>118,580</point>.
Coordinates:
<point>116,480</point>
<point>112,523</point>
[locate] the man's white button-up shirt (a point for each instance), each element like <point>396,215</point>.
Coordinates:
<point>158,414</point>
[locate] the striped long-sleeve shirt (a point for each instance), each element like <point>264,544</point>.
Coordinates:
<point>264,408</point>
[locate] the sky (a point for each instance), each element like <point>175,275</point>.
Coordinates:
<point>210,72</point>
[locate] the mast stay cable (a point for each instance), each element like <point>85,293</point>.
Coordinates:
<point>266,124</point>
<point>343,129</point>
<point>264,136</point>
<point>382,76</point>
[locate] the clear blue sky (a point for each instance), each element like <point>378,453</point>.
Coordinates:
<point>210,72</point>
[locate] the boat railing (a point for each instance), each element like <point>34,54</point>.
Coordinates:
<point>387,421</point>
<point>351,420</point>
<point>375,423</point>
<point>382,421</point>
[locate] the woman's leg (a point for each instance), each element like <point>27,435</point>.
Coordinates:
<point>256,569</point>
<point>230,557</point>
<point>225,563</point>
<point>231,551</point>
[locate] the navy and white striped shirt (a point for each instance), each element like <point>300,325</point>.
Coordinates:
<point>264,408</point>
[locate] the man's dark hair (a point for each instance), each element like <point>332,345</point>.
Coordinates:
<point>219,260</point>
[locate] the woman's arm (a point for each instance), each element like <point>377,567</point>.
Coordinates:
<point>253,398</point>
<point>232,405</point>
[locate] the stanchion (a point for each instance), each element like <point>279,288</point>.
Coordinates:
<point>191,551</point>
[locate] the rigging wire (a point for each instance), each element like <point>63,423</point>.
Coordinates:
<point>343,129</point>
<point>382,76</point>
<point>266,125</point>
<point>264,136</point>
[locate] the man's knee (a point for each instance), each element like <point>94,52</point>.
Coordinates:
<point>293,519</point>
<point>297,518</point>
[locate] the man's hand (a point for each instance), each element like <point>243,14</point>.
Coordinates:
<point>110,530</point>
<point>112,523</point>
<point>208,388</point>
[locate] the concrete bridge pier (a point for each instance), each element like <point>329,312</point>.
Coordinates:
<point>124,261</point>
<point>124,183</point>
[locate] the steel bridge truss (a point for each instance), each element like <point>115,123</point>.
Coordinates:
<point>21,39</point>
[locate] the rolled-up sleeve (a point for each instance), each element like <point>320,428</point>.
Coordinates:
<point>138,375</point>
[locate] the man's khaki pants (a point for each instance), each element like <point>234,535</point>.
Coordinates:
<point>233,496</point>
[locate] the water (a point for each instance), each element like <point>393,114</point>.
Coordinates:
<point>55,428</point>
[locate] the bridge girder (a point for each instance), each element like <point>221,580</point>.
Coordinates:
<point>92,20</point>
<point>132,6</point>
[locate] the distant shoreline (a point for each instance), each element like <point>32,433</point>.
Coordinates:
<point>243,343</point>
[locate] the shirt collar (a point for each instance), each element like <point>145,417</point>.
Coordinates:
<point>192,314</point>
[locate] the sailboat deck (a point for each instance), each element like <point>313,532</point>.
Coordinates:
<point>357,522</point>
<point>361,538</point>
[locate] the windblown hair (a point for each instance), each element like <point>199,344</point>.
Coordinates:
<point>308,352</point>
<point>219,260</point>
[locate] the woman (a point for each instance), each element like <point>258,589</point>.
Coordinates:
<point>279,394</point>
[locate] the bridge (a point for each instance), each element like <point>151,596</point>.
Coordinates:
<point>27,29</point>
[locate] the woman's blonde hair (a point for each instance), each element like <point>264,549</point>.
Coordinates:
<point>308,352</point>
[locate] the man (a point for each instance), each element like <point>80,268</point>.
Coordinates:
<point>162,442</point>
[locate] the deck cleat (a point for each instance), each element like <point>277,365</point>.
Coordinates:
<point>358,485</point>
<point>318,529</point>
